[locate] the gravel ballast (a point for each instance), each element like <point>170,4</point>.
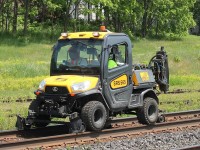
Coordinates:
<point>150,141</point>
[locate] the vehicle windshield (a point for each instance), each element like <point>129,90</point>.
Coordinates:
<point>76,56</point>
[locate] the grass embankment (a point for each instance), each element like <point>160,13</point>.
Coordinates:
<point>22,68</point>
<point>23,64</point>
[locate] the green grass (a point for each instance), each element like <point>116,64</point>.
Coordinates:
<point>193,99</point>
<point>22,68</point>
<point>186,50</point>
<point>8,111</point>
<point>25,62</point>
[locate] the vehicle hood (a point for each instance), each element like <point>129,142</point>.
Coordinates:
<point>69,80</point>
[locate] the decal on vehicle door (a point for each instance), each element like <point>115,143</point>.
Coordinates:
<point>119,82</point>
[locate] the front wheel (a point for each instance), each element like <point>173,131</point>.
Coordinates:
<point>148,114</point>
<point>94,115</point>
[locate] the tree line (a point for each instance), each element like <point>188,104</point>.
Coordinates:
<point>142,18</point>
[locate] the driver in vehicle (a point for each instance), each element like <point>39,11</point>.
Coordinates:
<point>112,57</point>
<point>74,54</point>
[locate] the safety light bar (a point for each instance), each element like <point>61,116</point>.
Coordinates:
<point>82,34</point>
<point>103,28</point>
<point>96,34</point>
<point>64,34</point>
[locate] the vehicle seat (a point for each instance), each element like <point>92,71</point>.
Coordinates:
<point>95,63</point>
<point>83,62</point>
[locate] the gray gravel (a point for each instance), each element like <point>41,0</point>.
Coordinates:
<point>151,141</point>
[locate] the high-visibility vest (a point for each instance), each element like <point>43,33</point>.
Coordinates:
<point>111,64</point>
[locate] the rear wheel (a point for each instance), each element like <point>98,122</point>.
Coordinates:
<point>34,107</point>
<point>148,114</point>
<point>94,115</point>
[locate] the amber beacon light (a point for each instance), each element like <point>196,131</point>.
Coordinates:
<point>103,28</point>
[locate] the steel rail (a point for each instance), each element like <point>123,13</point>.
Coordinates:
<point>113,121</point>
<point>179,91</point>
<point>8,133</point>
<point>79,138</point>
<point>172,114</point>
<point>182,113</point>
<point>194,147</point>
<point>71,138</point>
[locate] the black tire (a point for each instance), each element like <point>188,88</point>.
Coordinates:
<point>148,114</point>
<point>94,115</point>
<point>34,106</point>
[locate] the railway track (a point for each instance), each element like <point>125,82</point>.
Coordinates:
<point>56,136</point>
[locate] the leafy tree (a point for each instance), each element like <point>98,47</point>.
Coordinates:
<point>174,17</point>
<point>136,17</point>
<point>147,17</point>
<point>167,17</point>
<point>15,14</point>
<point>26,7</point>
<point>196,11</point>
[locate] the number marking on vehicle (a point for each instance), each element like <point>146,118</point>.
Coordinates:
<point>119,82</point>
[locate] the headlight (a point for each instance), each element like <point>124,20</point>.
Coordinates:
<point>80,87</point>
<point>42,85</point>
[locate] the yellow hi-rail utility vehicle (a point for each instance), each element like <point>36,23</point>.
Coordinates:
<point>92,79</point>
